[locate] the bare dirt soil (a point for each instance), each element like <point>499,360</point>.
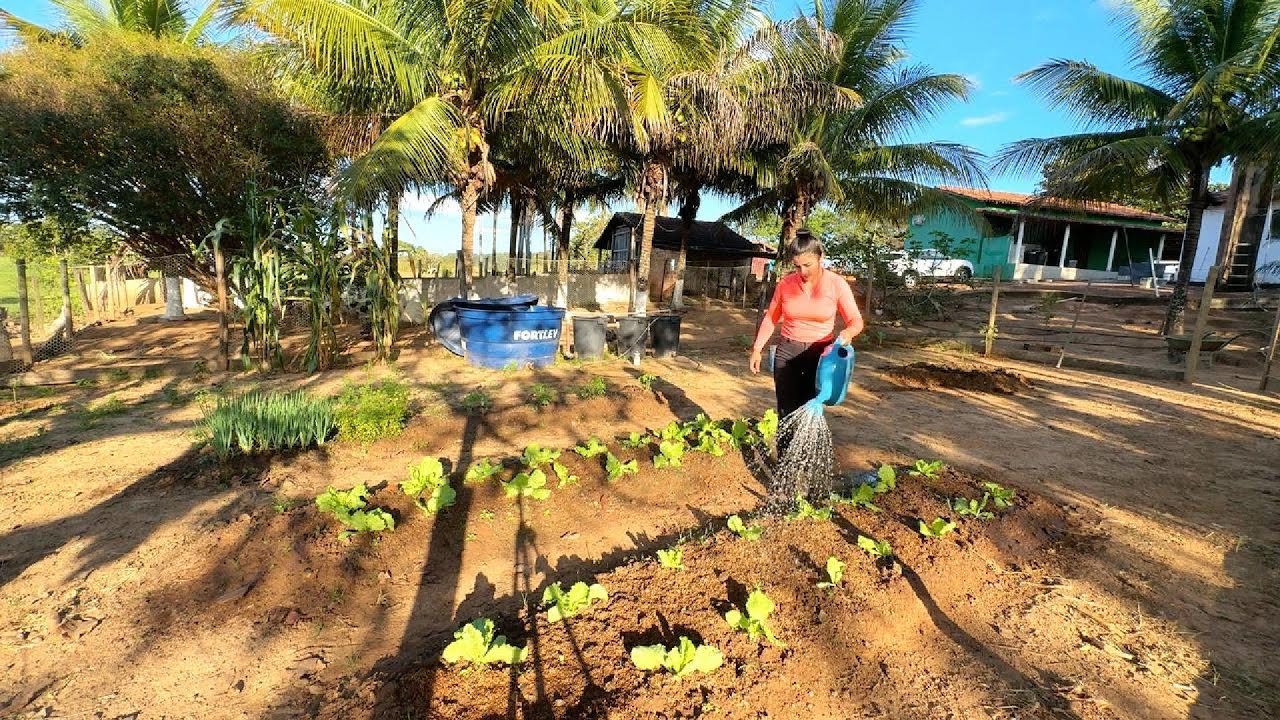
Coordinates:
<point>1134,579</point>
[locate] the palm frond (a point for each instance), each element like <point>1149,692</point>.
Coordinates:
<point>423,146</point>
<point>1094,96</point>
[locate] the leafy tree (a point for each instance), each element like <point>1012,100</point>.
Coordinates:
<point>152,141</point>
<point>1211,72</point>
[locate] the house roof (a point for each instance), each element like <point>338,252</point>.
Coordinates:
<point>705,237</point>
<point>1031,202</point>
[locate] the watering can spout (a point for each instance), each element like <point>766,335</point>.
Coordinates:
<point>835,369</point>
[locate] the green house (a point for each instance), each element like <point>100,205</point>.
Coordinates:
<point>1044,238</point>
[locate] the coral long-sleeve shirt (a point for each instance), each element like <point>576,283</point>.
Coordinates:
<point>808,315</point>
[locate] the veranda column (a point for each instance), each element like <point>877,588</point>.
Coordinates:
<point>1066,240</point>
<point>1111,254</point>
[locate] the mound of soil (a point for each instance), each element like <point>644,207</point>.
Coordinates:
<point>928,376</point>
<point>835,641</point>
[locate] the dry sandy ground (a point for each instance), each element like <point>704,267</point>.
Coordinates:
<point>137,578</point>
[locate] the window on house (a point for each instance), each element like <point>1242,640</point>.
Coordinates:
<point>620,250</point>
<point>1275,222</point>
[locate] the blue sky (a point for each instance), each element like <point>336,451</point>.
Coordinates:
<point>989,41</point>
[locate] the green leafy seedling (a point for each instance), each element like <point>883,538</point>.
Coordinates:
<point>754,623</point>
<point>835,574</point>
<point>349,507</point>
<point>482,471</point>
<point>674,431</point>
<point>861,497</point>
<point>711,440</point>
<point>532,484</point>
<point>563,476</point>
<point>476,644</point>
<point>615,468</point>
<point>937,528</point>
<point>535,456</point>
<point>1001,496</point>
<point>567,604</point>
<point>878,549</point>
<point>680,660</point>
<point>964,507</point>
<point>806,511</point>
<point>637,440</point>
<point>646,381</point>
<point>672,559</point>
<point>768,425</point>
<point>592,448</point>
<point>541,395</point>
<point>926,469</point>
<point>739,528</point>
<point>593,388</point>
<point>741,435</point>
<point>427,477</point>
<point>670,454</point>
<point>886,479</point>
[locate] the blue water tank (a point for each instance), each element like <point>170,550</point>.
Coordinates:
<point>443,319</point>
<point>496,338</point>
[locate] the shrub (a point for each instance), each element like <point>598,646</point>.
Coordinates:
<point>593,388</point>
<point>372,411</point>
<point>260,422</point>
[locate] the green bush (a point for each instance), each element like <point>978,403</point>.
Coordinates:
<point>368,412</point>
<point>593,388</point>
<point>260,422</point>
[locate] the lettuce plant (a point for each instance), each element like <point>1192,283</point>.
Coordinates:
<point>754,622</point>
<point>476,644</point>
<point>427,477</point>
<point>567,604</point>
<point>680,660</point>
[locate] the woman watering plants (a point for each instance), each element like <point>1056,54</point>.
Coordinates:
<point>805,304</point>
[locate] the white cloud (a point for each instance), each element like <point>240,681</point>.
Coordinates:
<point>980,120</point>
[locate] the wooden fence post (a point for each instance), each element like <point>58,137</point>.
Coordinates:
<point>66,298</point>
<point>1271,353</point>
<point>1202,316</point>
<point>1071,336</point>
<point>991,318</point>
<point>24,313</point>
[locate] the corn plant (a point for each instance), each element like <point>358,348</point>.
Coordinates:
<point>567,604</point>
<point>532,484</point>
<point>260,422</point>
<point>926,469</point>
<point>316,264</point>
<point>835,574</point>
<point>754,621</point>
<point>672,559</point>
<point>350,507</point>
<point>937,528</point>
<point>481,471</point>
<point>384,297</point>
<point>427,476</point>
<point>964,507</point>
<point>592,448</point>
<point>476,644</point>
<point>615,468</point>
<point>742,530</point>
<point>878,549</point>
<point>256,277</point>
<point>684,658</point>
<point>1001,497</point>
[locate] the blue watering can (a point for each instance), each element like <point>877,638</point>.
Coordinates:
<point>835,369</point>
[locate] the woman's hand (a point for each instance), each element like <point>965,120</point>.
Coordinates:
<point>846,336</point>
<point>754,363</point>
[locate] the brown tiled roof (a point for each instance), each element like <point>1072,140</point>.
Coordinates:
<point>1053,203</point>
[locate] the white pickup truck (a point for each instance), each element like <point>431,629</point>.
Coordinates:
<point>930,263</point>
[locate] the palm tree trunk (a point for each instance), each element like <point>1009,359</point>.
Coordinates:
<point>513,244</point>
<point>653,189</point>
<point>470,199</point>
<point>1197,199</point>
<point>689,204</point>
<point>392,236</point>
<point>562,251</point>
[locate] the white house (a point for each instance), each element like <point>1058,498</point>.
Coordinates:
<point>1211,235</point>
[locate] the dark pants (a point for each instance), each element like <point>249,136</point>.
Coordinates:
<point>795,377</point>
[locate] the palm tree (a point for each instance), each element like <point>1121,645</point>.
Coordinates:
<point>1214,69</point>
<point>461,66</point>
<point>84,19</point>
<point>847,156</point>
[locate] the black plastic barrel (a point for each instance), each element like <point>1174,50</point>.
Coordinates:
<point>665,334</point>
<point>588,337</point>
<point>633,335</point>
